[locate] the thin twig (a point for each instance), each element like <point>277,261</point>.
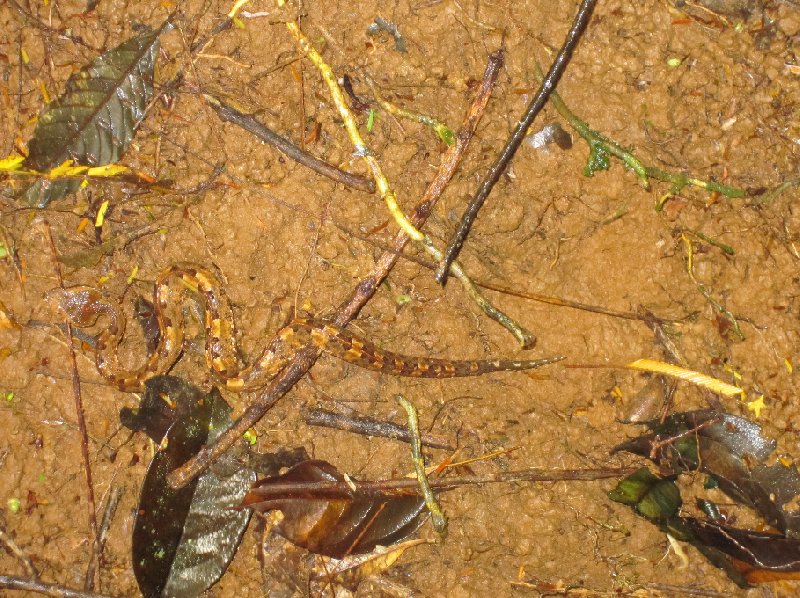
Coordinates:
<point>13,256</point>
<point>659,442</point>
<point>515,140</point>
<point>76,393</point>
<point>549,299</point>
<point>443,132</point>
<point>769,197</point>
<point>304,358</point>
<point>299,155</point>
<point>62,33</point>
<point>674,354</point>
<point>673,590</point>
<point>20,554</point>
<point>650,590</point>
<point>200,45</point>
<point>368,426</point>
<point>737,331</point>
<point>601,147</point>
<point>10,582</point>
<point>100,541</point>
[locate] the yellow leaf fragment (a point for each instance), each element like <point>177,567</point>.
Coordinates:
<point>668,369</point>
<point>101,214</point>
<point>43,91</point>
<point>64,169</point>
<point>107,170</point>
<point>251,437</point>
<point>789,365</point>
<point>11,163</point>
<point>756,406</point>
<point>24,55</point>
<point>736,375</point>
<point>132,275</point>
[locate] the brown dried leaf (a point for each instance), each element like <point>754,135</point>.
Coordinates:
<point>759,557</point>
<point>338,526</point>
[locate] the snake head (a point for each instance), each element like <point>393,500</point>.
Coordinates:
<point>82,305</point>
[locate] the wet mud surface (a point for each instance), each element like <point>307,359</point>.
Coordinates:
<point>691,91</point>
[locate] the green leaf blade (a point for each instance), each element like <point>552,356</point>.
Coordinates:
<point>95,119</point>
<point>184,540</point>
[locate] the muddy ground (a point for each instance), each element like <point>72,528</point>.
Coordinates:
<point>689,89</point>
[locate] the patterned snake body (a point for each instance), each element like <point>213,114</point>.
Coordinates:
<point>83,305</point>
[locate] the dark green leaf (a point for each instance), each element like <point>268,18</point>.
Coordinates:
<point>733,452</point>
<point>653,497</point>
<point>183,540</point>
<point>94,120</point>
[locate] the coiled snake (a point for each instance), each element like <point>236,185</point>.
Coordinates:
<point>83,305</point>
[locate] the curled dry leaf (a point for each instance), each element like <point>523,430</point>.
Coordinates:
<point>758,556</point>
<point>337,527</point>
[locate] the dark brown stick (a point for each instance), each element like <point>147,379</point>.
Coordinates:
<point>368,426</point>
<point>299,155</point>
<point>507,153</point>
<point>10,582</point>
<point>306,357</point>
<point>411,486</point>
<point>76,393</point>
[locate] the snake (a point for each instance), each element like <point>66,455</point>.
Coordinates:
<point>84,305</point>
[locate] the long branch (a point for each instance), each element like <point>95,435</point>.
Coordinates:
<point>78,402</point>
<point>547,86</point>
<point>351,488</point>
